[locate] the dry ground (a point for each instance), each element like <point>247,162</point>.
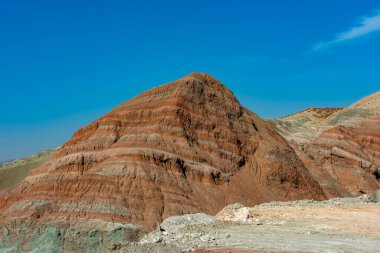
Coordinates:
<point>339,225</point>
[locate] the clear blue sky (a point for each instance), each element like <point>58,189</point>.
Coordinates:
<point>65,63</point>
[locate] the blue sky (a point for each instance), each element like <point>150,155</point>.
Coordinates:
<point>65,63</point>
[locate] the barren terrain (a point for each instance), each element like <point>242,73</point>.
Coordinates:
<point>336,225</point>
<point>122,182</point>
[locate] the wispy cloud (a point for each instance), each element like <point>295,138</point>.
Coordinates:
<point>366,25</point>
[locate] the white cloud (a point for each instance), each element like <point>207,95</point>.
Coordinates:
<point>367,25</point>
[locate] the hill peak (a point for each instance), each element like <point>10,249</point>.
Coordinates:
<point>203,77</point>
<point>194,89</point>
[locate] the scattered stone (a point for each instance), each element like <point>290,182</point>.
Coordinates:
<point>174,223</point>
<point>157,239</point>
<point>205,238</point>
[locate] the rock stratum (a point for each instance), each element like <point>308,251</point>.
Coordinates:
<point>183,147</point>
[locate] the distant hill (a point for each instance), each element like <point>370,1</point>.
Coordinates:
<point>7,161</point>
<point>353,115</point>
<point>14,171</point>
<point>340,146</point>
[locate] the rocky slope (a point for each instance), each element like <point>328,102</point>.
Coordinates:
<point>340,147</point>
<point>184,147</point>
<point>351,155</point>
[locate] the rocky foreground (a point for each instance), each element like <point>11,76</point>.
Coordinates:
<point>335,225</point>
